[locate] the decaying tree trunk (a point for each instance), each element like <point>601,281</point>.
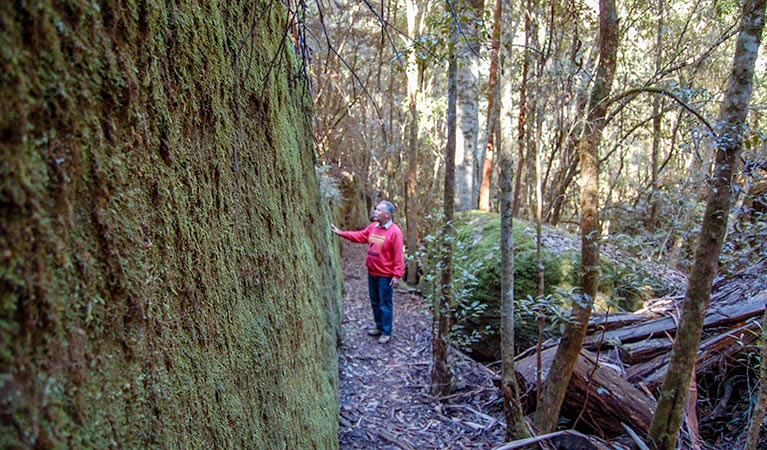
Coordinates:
<point>553,393</point>
<point>636,361</point>
<point>667,421</point>
<point>598,392</point>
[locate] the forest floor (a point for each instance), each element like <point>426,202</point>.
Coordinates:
<point>384,388</point>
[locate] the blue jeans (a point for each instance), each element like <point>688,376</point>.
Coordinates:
<point>381,294</point>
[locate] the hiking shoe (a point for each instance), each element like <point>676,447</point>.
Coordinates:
<point>384,339</point>
<point>374,332</point>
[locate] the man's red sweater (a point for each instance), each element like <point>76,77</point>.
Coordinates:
<point>385,249</point>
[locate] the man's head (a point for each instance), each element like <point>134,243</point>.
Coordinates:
<point>384,212</point>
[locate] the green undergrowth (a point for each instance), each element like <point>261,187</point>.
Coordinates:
<point>624,284</point>
<point>168,280</point>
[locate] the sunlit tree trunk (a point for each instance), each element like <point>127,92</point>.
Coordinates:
<point>411,188</point>
<point>508,71</point>
<point>494,110</point>
<point>467,112</point>
<point>522,119</point>
<point>441,376</point>
<point>547,414</point>
<point>667,421</point>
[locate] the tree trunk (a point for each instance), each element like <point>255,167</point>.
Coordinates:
<point>656,126</point>
<point>494,109</point>
<point>467,110</point>
<point>667,421</point>
<point>522,120</point>
<point>441,376</point>
<point>411,190</point>
<point>516,428</point>
<point>547,414</point>
<point>757,417</point>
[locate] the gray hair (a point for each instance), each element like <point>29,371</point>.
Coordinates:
<point>388,205</point>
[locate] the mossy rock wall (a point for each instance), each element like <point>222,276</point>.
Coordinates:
<point>478,275</point>
<point>167,278</point>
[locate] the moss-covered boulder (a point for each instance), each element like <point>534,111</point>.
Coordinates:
<point>477,257</point>
<point>167,277</point>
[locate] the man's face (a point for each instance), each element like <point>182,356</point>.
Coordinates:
<point>381,214</point>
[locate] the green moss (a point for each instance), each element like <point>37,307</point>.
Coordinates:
<point>624,284</point>
<point>152,294</point>
<point>478,237</point>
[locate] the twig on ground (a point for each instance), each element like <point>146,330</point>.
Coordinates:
<point>637,440</point>
<point>393,439</point>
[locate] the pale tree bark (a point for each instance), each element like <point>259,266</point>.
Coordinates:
<point>539,261</point>
<point>441,376</point>
<point>507,74</point>
<point>516,428</point>
<point>493,107</point>
<point>547,414</point>
<point>522,119</point>
<point>467,112</point>
<point>411,188</point>
<point>667,421</point>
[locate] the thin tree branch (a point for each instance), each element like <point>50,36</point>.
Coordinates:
<point>631,93</point>
<point>458,27</point>
<point>354,74</point>
<point>385,27</point>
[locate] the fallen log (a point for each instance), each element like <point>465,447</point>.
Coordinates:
<point>636,352</point>
<point>604,394</point>
<point>718,316</point>
<point>598,393</point>
<point>607,322</point>
<point>712,350</point>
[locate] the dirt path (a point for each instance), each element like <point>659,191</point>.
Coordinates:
<point>384,389</point>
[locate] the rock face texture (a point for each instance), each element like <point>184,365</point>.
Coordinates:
<point>167,278</point>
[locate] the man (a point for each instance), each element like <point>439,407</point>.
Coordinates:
<point>385,263</point>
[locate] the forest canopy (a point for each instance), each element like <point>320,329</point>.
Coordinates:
<point>379,74</point>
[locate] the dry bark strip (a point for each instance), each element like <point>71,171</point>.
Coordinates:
<point>717,316</point>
